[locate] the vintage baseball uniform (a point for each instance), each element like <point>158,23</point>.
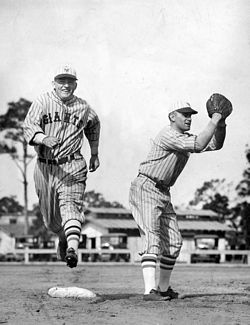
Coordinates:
<point>60,173</point>
<point>149,195</point>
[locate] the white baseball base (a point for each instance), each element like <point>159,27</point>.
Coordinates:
<point>70,292</point>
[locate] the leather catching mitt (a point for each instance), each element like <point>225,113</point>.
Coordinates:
<point>218,103</point>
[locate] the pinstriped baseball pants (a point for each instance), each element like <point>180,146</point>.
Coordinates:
<point>60,189</point>
<point>155,217</point>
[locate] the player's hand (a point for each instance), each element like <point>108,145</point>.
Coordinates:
<point>51,142</point>
<point>94,163</point>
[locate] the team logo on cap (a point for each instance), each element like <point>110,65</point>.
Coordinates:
<point>65,70</point>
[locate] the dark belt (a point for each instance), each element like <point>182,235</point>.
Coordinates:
<point>58,161</point>
<point>161,185</point>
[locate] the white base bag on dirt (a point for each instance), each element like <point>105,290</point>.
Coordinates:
<point>70,292</point>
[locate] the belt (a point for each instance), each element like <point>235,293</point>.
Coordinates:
<point>58,161</point>
<point>161,185</point>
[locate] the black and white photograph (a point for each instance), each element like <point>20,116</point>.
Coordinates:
<point>125,162</point>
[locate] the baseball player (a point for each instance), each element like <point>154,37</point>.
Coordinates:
<point>55,125</point>
<point>150,199</point>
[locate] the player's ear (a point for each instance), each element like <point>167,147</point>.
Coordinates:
<point>53,84</point>
<point>75,86</point>
<point>172,116</point>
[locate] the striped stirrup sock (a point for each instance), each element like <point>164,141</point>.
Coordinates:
<point>148,260</point>
<point>167,262</point>
<point>72,229</point>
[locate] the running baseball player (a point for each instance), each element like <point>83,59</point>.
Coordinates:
<point>149,195</point>
<point>55,125</point>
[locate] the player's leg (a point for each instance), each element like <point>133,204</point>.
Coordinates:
<point>143,202</point>
<point>171,242</point>
<point>148,264</point>
<point>48,203</point>
<point>167,263</point>
<point>72,230</point>
<point>71,192</point>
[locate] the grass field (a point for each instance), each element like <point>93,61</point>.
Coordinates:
<point>212,294</point>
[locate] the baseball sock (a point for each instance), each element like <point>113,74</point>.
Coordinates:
<point>72,230</point>
<point>61,235</point>
<point>167,263</point>
<point>148,263</point>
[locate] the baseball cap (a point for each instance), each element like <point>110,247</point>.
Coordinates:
<point>65,71</point>
<point>182,107</point>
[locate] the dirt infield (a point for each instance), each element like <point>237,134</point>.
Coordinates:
<point>211,295</point>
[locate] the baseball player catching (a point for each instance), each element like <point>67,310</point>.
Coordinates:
<point>55,125</point>
<point>149,196</point>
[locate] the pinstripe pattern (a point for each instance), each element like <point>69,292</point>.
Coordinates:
<point>151,207</point>
<point>68,121</point>
<point>61,197</point>
<point>168,155</point>
<point>60,188</point>
<point>155,217</point>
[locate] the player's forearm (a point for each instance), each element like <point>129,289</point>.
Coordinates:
<point>220,134</point>
<point>94,145</point>
<point>206,135</point>
<point>38,138</point>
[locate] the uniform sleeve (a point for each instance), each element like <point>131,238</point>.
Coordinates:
<point>171,140</point>
<point>92,131</point>
<point>32,122</point>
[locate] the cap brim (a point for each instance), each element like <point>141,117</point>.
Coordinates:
<point>187,110</point>
<point>65,76</point>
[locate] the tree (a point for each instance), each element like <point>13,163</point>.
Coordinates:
<point>241,211</point>
<point>213,195</point>
<point>243,188</point>
<point>10,205</point>
<point>38,228</point>
<point>13,138</point>
<point>96,200</point>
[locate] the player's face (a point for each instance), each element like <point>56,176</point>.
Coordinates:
<point>65,87</point>
<point>182,121</point>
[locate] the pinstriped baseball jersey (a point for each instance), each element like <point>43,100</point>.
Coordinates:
<point>68,121</point>
<point>169,154</point>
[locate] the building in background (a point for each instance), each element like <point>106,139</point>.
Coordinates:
<point>115,228</point>
<point>13,224</point>
<point>201,229</point>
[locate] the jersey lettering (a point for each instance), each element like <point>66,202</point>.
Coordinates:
<point>45,119</point>
<point>57,117</point>
<point>66,118</point>
<point>75,119</point>
<point>50,118</point>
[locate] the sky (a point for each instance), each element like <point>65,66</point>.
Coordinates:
<point>133,58</point>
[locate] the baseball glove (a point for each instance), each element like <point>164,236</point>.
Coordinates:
<point>218,103</point>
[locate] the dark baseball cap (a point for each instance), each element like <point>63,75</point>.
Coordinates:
<point>182,107</point>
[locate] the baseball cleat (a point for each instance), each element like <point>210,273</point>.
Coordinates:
<point>71,258</point>
<point>61,250</point>
<point>169,293</point>
<point>155,295</point>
